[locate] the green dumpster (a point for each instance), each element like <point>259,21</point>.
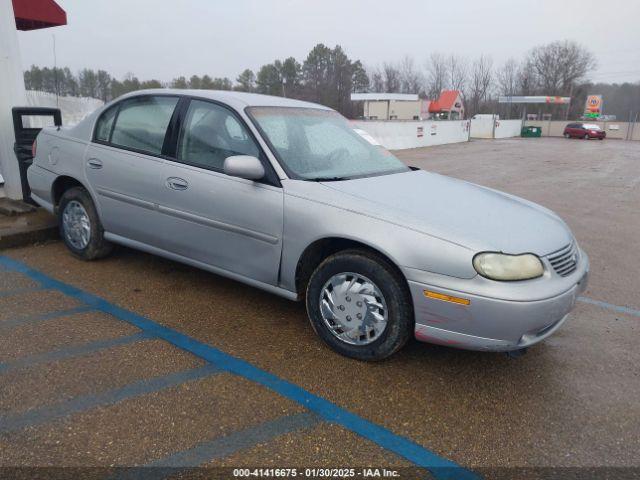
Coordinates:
<point>530,132</point>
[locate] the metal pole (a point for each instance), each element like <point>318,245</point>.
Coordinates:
<point>633,126</point>
<point>55,72</point>
<point>566,117</point>
<point>12,94</point>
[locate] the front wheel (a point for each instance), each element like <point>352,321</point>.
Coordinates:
<point>360,305</point>
<point>586,136</point>
<point>566,135</point>
<point>80,227</point>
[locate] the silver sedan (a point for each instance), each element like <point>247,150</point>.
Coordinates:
<point>286,196</point>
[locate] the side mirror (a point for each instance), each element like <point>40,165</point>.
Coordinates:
<point>244,166</point>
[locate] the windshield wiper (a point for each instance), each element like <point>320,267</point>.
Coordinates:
<point>327,179</point>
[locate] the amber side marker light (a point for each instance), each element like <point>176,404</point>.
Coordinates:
<point>446,298</point>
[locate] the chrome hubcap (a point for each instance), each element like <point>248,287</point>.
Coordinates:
<point>76,225</point>
<point>353,308</point>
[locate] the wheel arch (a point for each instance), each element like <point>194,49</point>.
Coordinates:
<point>61,185</point>
<point>317,251</point>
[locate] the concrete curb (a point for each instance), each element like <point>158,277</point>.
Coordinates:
<point>19,230</point>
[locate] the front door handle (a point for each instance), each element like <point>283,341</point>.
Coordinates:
<point>94,163</point>
<point>177,183</point>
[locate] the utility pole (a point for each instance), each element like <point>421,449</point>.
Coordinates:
<point>566,117</point>
<point>55,72</point>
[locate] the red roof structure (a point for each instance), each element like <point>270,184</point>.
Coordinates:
<point>446,101</point>
<point>35,14</point>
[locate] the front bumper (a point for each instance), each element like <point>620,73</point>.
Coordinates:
<point>495,324</point>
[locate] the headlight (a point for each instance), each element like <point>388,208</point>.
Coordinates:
<point>500,266</point>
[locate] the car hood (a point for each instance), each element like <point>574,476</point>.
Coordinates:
<point>460,212</point>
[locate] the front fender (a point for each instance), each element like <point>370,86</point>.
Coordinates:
<point>308,220</point>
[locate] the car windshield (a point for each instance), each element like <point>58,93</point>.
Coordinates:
<point>590,126</point>
<point>315,144</point>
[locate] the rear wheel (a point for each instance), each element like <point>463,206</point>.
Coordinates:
<point>80,227</point>
<point>360,305</point>
<point>566,135</point>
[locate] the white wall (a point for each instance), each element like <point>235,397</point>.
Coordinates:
<point>508,128</point>
<point>73,109</point>
<point>399,135</point>
<point>617,130</point>
<point>482,127</point>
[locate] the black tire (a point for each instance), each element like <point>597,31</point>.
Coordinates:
<point>97,246</point>
<point>567,136</point>
<point>400,319</point>
<point>586,136</point>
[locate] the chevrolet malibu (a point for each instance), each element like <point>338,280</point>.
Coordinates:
<point>286,196</point>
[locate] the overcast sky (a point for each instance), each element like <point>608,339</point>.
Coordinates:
<point>165,39</point>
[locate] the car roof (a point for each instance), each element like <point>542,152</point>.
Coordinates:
<point>239,100</point>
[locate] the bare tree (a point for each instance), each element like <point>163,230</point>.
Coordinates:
<point>391,76</point>
<point>457,72</point>
<point>559,65</point>
<point>376,80</point>
<point>411,80</point>
<point>527,82</point>
<point>507,81</point>
<point>480,82</point>
<point>437,75</point>
<point>507,78</point>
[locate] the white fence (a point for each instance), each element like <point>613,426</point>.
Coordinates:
<point>490,128</point>
<point>482,127</point>
<point>73,109</point>
<point>508,128</point>
<point>399,135</point>
<point>617,130</point>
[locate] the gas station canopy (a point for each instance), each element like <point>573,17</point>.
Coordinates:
<point>35,14</point>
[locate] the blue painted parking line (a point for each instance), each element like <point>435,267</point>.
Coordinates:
<point>234,442</point>
<point>73,351</point>
<point>19,291</point>
<point>49,413</point>
<point>30,319</point>
<point>440,467</point>
<point>610,306</point>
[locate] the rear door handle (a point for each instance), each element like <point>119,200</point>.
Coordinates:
<point>177,183</point>
<point>94,163</point>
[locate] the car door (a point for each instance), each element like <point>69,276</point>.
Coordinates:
<point>123,166</point>
<point>208,216</point>
<point>574,129</point>
<point>569,129</point>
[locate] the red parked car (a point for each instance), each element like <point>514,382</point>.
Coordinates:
<point>584,130</point>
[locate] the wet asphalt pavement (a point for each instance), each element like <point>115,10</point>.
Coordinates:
<point>131,398</point>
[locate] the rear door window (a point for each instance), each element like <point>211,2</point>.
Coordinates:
<point>105,124</point>
<point>141,123</point>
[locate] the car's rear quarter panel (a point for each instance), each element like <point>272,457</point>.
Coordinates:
<point>58,154</point>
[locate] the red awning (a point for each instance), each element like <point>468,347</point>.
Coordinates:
<point>34,14</point>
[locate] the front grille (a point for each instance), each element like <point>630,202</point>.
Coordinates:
<point>565,260</point>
